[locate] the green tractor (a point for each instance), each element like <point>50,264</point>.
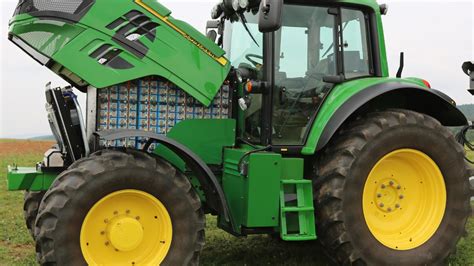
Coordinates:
<point>283,120</point>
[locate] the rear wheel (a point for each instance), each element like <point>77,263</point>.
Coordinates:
<point>392,188</point>
<point>120,208</point>
<point>30,208</point>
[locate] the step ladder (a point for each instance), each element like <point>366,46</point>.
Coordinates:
<point>297,210</point>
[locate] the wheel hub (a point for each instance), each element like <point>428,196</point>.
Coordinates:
<point>127,227</point>
<point>404,199</point>
<point>125,233</point>
<point>389,195</point>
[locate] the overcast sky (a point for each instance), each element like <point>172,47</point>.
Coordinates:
<point>436,36</point>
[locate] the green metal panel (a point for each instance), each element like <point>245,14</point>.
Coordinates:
<point>253,199</point>
<point>368,3</point>
<point>338,96</point>
<point>47,36</point>
<point>179,53</point>
<point>292,168</point>
<point>263,185</point>
<point>233,184</point>
<point>28,178</point>
<point>205,137</point>
<point>161,9</point>
<point>382,47</point>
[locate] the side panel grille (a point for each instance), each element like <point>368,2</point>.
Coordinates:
<point>130,28</point>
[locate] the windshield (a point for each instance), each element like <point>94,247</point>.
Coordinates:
<point>238,43</point>
<point>242,50</point>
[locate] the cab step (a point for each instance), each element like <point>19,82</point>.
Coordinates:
<point>296,210</point>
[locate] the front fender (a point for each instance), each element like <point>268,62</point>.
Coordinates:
<point>215,197</point>
<point>366,95</point>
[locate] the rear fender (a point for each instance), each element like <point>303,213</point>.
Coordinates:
<point>391,93</point>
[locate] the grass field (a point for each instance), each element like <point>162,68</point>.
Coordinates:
<point>17,248</point>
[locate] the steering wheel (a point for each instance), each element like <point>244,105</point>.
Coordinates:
<point>250,58</point>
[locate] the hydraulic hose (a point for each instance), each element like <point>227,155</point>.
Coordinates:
<point>462,138</point>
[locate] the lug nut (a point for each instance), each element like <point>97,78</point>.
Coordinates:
<point>107,243</point>
<point>379,195</point>
<point>102,232</point>
<point>381,205</point>
<point>391,183</point>
<point>106,220</point>
<point>399,187</point>
<point>115,212</point>
<point>138,217</point>
<point>389,209</point>
<point>383,186</point>
<point>397,206</point>
<point>400,197</point>
<point>127,211</point>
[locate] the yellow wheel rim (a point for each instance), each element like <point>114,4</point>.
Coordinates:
<point>404,199</point>
<point>127,227</point>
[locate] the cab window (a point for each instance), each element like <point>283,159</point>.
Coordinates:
<point>356,52</point>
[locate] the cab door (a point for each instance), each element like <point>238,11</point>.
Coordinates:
<point>314,43</point>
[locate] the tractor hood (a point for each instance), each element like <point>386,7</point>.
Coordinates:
<point>104,42</point>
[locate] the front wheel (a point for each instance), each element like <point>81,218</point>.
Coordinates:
<point>392,188</point>
<point>31,204</point>
<point>120,208</point>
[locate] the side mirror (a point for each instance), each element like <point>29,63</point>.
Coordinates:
<point>212,25</point>
<point>270,15</point>
<point>212,35</point>
<point>211,29</point>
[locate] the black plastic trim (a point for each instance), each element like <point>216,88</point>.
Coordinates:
<point>119,63</point>
<point>37,56</point>
<point>101,51</point>
<point>136,48</point>
<point>215,197</point>
<point>454,117</point>
<point>116,23</point>
<point>269,77</point>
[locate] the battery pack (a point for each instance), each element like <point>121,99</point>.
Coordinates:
<point>153,105</point>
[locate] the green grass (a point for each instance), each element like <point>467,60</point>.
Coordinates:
<point>17,248</point>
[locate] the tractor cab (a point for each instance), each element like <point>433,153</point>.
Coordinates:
<point>290,71</point>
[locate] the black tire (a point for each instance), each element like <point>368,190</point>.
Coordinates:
<point>340,174</point>
<point>31,204</point>
<point>76,190</point>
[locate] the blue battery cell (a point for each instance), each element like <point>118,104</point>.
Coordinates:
<point>151,104</point>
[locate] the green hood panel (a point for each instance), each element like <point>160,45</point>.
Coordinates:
<point>112,44</point>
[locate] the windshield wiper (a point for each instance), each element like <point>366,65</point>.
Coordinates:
<point>244,22</point>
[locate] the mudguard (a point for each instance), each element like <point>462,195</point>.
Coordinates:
<point>375,94</point>
<point>215,197</point>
